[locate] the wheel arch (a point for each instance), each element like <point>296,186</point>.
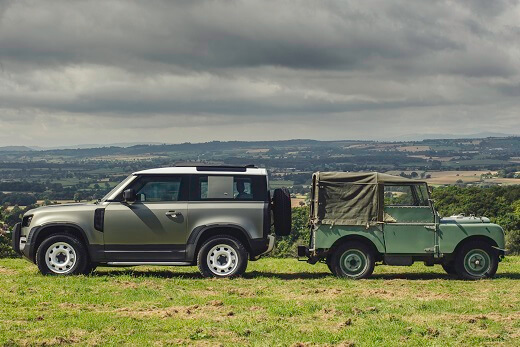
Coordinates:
<point>42,232</point>
<point>357,238</point>
<point>201,234</point>
<point>481,238</point>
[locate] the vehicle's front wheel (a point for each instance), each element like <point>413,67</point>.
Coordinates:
<point>353,260</point>
<point>62,254</point>
<point>222,256</point>
<point>476,260</point>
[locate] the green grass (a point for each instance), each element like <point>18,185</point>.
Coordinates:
<point>277,302</point>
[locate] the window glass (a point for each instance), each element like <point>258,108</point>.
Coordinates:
<point>242,188</point>
<point>159,188</point>
<point>399,195</point>
<point>422,194</point>
<point>219,187</point>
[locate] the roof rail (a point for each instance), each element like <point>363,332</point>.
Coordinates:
<point>220,167</point>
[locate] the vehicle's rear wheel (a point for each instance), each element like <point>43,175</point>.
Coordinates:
<point>62,254</point>
<point>449,268</point>
<point>353,260</point>
<point>476,260</point>
<point>222,256</point>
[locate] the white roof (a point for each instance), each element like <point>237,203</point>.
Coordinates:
<point>193,170</point>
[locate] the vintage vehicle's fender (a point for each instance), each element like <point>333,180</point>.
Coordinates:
<point>452,233</point>
<point>327,235</point>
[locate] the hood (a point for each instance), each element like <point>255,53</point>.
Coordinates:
<point>62,207</point>
<point>461,219</point>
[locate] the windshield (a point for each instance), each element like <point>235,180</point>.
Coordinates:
<point>116,188</point>
<point>423,194</point>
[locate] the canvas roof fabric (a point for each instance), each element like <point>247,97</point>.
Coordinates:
<point>351,198</point>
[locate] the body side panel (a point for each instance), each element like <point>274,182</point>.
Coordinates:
<point>452,233</point>
<point>325,235</point>
<point>248,215</point>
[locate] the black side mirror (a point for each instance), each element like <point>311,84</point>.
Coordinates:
<point>129,195</point>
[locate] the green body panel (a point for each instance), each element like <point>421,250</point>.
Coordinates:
<point>325,235</point>
<point>410,214</point>
<point>408,234</point>
<point>451,233</point>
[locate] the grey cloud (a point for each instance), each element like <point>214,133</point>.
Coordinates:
<point>208,63</point>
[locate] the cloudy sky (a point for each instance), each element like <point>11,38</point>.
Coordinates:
<point>74,72</point>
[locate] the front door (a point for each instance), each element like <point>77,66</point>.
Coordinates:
<point>153,228</point>
<point>409,226</point>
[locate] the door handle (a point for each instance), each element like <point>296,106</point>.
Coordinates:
<point>173,214</point>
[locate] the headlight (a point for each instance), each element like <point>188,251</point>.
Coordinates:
<point>26,221</point>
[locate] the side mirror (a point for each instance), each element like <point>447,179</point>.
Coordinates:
<point>129,195</point>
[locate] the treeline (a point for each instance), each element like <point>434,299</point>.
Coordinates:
<point>20,199</point>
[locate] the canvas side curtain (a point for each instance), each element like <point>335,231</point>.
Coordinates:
<point>348,203</point>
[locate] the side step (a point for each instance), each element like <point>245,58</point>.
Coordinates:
<point>159,263</point>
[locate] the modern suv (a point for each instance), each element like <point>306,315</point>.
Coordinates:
<point>216,217</point>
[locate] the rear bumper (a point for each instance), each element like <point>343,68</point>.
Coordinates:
<point>258,246</point>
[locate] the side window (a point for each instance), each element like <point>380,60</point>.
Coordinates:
<point>159,189</point>
<point>214,188</point>
<point>223,188</point>
<point>242,188</point>
<point>399,195</point>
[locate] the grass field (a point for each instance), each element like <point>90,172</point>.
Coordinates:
<point>278,302</point>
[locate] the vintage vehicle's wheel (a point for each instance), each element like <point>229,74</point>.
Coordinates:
<point>353,260</point>
<point>328,261</point>
<point>222,256</point>
<point>62,254</point>
<point>449,268</point>
<point>476,260</point>
<point>282,213</point>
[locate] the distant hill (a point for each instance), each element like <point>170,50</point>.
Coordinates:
<point>15,149</point>
<point>420,137</point>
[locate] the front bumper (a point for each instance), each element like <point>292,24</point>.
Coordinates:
<point>17,241</point>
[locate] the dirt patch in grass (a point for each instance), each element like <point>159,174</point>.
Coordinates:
<point>186,312</point>
<point>6,271</point>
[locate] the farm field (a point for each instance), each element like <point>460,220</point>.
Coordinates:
<point>278,302</point>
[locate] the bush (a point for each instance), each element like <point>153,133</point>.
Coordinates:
<point>513,241</point>
<point>287,246</point>
<point>6,250</point>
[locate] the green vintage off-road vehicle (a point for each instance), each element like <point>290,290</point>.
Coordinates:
<point>358,219</point>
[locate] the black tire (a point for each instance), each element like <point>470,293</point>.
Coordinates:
<point>282,212</point>
<point>354,260</point>
<point>449,268</point>
<point>232,253</point>
<point>328,261</point>
<point>476,260</point>
<point>64,247</point>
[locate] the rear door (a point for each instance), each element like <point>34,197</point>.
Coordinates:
<point>409,226</point>
<point>153,228</point>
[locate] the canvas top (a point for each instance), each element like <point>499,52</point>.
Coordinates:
<point>355,198</point>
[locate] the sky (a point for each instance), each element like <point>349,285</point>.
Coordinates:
<point>100,72</point>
